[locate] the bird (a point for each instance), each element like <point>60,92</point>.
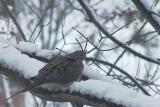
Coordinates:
<point>61,72</point>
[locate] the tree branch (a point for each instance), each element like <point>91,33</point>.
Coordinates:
<point>147,14</point>
<point>13,19</point>
<point>92,17</point>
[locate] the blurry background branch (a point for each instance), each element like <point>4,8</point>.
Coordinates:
<point>13,18</point>
<point>147,14</point>
<point>93,18</point>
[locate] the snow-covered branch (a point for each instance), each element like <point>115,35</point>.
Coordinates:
<point>46,55</point>
<point>99,91</point>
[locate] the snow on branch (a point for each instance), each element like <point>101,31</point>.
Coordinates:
<point>99,93</point>
<point>13,59</point>
<point>27,47</point>
<point>115,93</point>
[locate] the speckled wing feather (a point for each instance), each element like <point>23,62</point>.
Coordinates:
<point>60,70</point>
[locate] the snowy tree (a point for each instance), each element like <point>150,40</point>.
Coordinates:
<point>122,43</point>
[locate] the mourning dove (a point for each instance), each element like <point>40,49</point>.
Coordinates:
<point>62,71</point>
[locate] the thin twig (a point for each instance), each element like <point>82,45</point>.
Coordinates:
<point>14,20</point>
<point>147,14</point>
<point>120,70</point>
<point>120,56</point>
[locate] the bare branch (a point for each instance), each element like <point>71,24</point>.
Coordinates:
<point>14,20</point>
<point>92,17</point>
<point>147,14</point>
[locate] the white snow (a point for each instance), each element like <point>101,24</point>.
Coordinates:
<point>28,47</point>
<point>47,53</point>
<point>23,46</point>
<point>13,59</point>
<point>115,93</point>
<point>96,75</point>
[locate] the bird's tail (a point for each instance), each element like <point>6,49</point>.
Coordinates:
<point>33,85</point>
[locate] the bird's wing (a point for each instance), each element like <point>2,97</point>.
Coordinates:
<point>67,72</point>
<point>51,66</point>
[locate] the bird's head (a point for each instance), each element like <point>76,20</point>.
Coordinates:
<point>78,55</point>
